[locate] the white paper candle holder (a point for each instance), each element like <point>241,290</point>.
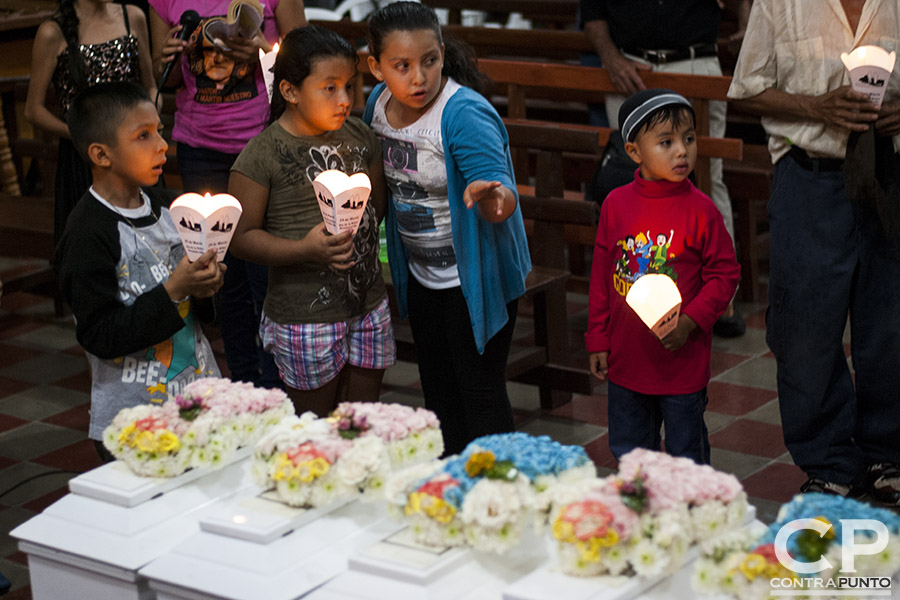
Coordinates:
<point>205,222</point>
<point>869,68</point>
<point>342,199</point>
<point>266,62</point>
<point>656,300</point>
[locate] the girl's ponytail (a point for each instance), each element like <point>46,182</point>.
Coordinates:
<point>67,19</point>
<point>461,64</point>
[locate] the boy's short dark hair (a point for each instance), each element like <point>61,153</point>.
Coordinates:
<point>96,112</point>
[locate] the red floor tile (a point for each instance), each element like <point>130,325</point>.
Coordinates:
<point>520,417</point>
<point>79,383</point>
<point>750,437</point>
<point>756,320</point>
<point>75,418</point>
<point>13,325</point>
<point>80,456</point>
<point>6,462</point>
<point>722,361</point>
<point>7,422</point>
<point>731,399</point>
<point>8,387</point>
<point>39,504</point>
<point>75,350</point>
<point>18,557</point>
<point>599,452</point>
<point>589,409</point>
<point>20,300</point>
<point>27,266</point>
<point>778,482</point>
<point>10,355</point>
<point>575,307</point>
<point>20,594</point>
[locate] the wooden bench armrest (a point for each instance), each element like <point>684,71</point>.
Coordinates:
<point>571,137</point>
<point>558,210</point>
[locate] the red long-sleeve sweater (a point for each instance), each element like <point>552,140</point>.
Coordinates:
<point>659,227</point>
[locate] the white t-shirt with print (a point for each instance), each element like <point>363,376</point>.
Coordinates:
<point>417,177</point>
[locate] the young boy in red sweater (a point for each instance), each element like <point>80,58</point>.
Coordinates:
<point>660,223</point>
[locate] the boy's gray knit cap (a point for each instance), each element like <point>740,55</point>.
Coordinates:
<point>640,105</point>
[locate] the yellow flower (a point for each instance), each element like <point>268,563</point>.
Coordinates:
<point>414,504</point>
<point>166,441</point>
<point>753,565</point>
<point>145,441</point>
<point>589,551</point>
<point>126,436</point>
<point>432,507</point>
<point>284,468</point>
<point>319,466</point>
<point>610,539</point>
<point>439,510</point>
<point>479,462</point>
<point>564,531</point>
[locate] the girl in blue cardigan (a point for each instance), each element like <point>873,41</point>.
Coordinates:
<point>456,240</point>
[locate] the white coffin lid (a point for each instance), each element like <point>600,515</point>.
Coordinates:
<point>208,565</point>
<point>115,483</point>
<point>128,538</point>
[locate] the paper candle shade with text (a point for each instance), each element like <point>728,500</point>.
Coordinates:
<point>342,199</point>
<point>205,222</point>
<point>266,62</point>
<point>869,68</point>
<point>656,300</point>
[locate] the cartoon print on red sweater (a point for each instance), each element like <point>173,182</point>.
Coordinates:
<point>640,256</point>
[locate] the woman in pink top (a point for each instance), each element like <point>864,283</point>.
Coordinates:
<point>221,104</point>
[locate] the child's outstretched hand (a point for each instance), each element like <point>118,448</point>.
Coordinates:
<point>678,336</point>
<point>332,250</point>
<point>201,278</point>
<point>599,364</point>
<point>495,201</point>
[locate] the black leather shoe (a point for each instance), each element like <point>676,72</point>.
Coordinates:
<point>730,327</point>
<point>883,483</point>
<point>817,485</point>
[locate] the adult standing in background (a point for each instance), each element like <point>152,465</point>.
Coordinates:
<point>672,36</point>
<point>220,105</point>
<point>85,42</point>
<point>833,252</point>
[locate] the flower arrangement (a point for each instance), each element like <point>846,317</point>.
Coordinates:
<point>313,462</point>
<point>484,496</point>
<point>201,427</point>
<point>743,564</point>
<point>642,520</point>
<point>411,434</point>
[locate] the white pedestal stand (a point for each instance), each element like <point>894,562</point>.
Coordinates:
<point>210,566</point>
<point>82,547</point>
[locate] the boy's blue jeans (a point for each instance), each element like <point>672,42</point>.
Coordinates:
<point>635,420</point>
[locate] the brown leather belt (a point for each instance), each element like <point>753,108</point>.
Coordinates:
<point>815,164</point>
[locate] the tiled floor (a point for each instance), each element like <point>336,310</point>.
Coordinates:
<point>45,385</point>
